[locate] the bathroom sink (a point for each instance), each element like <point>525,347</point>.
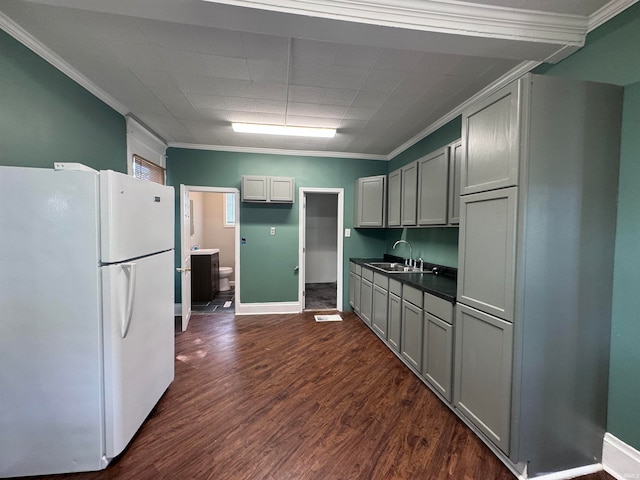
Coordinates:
<point>392,267</point>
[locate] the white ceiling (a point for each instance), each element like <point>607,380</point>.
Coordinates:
<point>385,77</point>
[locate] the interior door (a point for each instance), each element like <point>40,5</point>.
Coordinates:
<point>185,255</point>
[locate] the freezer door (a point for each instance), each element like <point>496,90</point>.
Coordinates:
<point>137,217</point>
<point>138,332</point>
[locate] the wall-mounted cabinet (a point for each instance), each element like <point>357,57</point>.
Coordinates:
<point>433,188</point>
<point>394,208</point>
<point>262,189</point>
<point>409,196</point>
<point>455,165</point>
<point>370,202</point>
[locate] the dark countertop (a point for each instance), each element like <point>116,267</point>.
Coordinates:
<point>443,285</point>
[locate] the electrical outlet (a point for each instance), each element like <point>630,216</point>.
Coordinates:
<point>347,232</point>
<point>273,231</point>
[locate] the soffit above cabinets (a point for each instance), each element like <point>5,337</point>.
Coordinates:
<point>383,75</point>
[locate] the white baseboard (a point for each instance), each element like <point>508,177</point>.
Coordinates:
<point>267,308</point>
<point>567,474</point>
<point>619,459</point>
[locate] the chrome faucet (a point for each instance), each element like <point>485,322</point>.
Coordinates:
<point>410,249</point>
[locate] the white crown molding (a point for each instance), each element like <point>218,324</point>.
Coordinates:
<point>136,127</point>
<point>450,17</point>
<point>29,41</point>
<point>275,151</point>
<point>607,12</point>
<point>507,78</point>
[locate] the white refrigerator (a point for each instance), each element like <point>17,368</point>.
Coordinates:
<point>86,314</point>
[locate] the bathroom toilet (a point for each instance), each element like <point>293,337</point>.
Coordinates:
<point>224,274</point>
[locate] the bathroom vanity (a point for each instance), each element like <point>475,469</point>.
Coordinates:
<point>205,266</point>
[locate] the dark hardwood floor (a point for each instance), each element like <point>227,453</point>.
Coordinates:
<point>282,397</point>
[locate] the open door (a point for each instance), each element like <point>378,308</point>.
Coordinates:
<point>185,255</point>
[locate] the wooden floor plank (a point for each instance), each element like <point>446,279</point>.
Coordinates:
<point>281,397</point>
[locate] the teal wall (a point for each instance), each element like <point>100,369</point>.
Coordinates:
<point>612,55</point>
<point>46,117</point>
<point>434,245</point>
<point>267,262</point>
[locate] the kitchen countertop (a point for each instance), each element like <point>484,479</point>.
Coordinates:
<point>443,285</point>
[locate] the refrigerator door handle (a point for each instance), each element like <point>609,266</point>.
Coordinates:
<point>130,271</point>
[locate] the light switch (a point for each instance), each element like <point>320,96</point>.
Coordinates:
<point>273,231</point>
<point>347,232</point>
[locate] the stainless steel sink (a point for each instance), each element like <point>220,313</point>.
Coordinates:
<point>391,267</point>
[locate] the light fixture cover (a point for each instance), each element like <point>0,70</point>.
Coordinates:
<point>283,130</point>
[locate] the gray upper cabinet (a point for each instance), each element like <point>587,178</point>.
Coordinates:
<point>409,203</point>
<point>483,373</point>
<point>395,199</point>
<point>490,139</point>
<point>486,251</point>
<point>370,202</point>
<point>455,165</point>
<point>263,189</point>
<point>433,186</point>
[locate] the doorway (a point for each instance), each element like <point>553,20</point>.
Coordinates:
<point>209,219</point>
<point>321,247</point>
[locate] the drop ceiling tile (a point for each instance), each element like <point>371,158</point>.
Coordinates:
<point>359,113</point>
<point>269,91</point>
<point>369,99</point>
<point>212,117</point>
<point>304,94</point>
<point>227,67</point>
<point>240,104</point>
<point>107,27</point>
<point>184,62</point>
<point>137,56</point>
<point>435,63</point>
<point>302,109</point>
<point>265,47</point>
<point>195,83</point>
<point>215,41</point>
<point>200,101</point>
<point>159,82</point>
<point>267,71</point>
<point>471,66</point>
<point>331,111</point>
<point>228,87</point>
<point>345,77</point>
<point>303,121</point>
<point>397,60</point>
<point>312,52</point>
<point>270,106</point>
<point>337,96</point>
<point>310,75</point>
<point>255,117</point>
<point>351,125</point>
<point>382,80</point>
<point>355,56</point>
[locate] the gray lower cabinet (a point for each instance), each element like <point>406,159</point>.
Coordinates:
<point>370,202</point>
<point>437,345</point>
<point>433,186</point>
<point>357,287</point>
<point>483,347</point>
<point>395,314</point>
<point>352,289</point>
<point>411,330</point>
<point>366,295</point>
<point>380,311</point>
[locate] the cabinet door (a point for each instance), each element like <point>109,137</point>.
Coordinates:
<point>371,201</point>
<point>366,300</point>
<point>281,189</point>
<point>490,139</point>
<point>380,311</point>
<point>483,372</point>
<point>395,198</point>
<point>357,293</point>
<point>395,312</point>
<point>437,354</point>
<point>486,253</point>
<point>433,185</point>
<point>455,164</point>
<point>215,274</point>
<point>409,194</point>
<point>254,188</point>
<point>412,334</point>
<point>352,289</point>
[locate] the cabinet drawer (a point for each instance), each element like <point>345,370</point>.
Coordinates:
<point>395,287</point>
<point>439,307</point>
<point>368,274</point>
<point>352,267</point>
<point>412,295</point>
<point>381,280</point>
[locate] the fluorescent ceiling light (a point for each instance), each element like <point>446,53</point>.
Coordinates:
<point>283,130</point>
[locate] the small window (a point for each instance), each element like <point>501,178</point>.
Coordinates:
<point>147,170</point>
<point>229,209</point>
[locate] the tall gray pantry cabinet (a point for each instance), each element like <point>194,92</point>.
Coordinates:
<point>537,227</point>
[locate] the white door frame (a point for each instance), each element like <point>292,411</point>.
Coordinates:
<point>302,231</point>
<point>185,233</point>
